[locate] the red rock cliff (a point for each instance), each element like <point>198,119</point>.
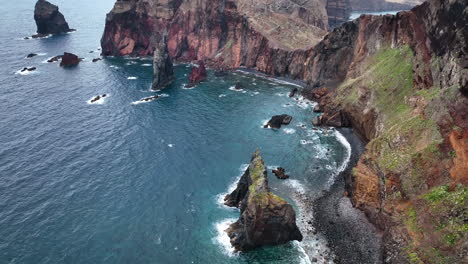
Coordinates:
<point>228,33</point>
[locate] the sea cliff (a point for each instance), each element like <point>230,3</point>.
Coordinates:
<point>401,81</point>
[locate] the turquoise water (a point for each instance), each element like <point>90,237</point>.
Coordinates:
<point>119,182</point>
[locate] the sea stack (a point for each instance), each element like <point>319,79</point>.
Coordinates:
<point>163,69</point>
<point>49,20</point>
<point>197,75</point>
<point>266,219</point>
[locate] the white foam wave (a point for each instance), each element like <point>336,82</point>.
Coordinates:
<point>232,186</point>
<point>346,160</point>
<point>170,145</point>
<point>222,95</point>
<point>26,72</point>
<point>296,185</point>
<point>222,238</point>
<point>306,142</point>
<point>265,122</point>
<point>304,258</point>
<point>233,88</point>
<point>184,86</point>
<point>149,99</point>
<point>289,130</point>
<point>147,65</point>
<point>304,103</point>
<point>132,78</point>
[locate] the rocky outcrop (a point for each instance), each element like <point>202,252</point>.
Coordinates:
<point>197,75</point>
<point>49,20</point>
<point>69,59</point>
<point>280,173</point>
<point>266,219</point>
<point>163,73</point>
<point>279,120</point>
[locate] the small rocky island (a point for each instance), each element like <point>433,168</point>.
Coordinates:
<point>265,219</point>
<point>49,20</point>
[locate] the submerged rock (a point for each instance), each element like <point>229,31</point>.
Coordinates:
<point>279,120</point>
<point>97,98</point>
<point>266,219</point>
<point>69,59</point>
<point>49,20</point>
<point>31,55</point>
<point>28,69</point>
<point>96,59</point>
<point>163,73</point>
<point>197,75</point>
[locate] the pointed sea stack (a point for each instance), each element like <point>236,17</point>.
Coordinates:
<point>163,69</point>
<point>197,75</point>
<point>266,219</point>
<point>49,20</point>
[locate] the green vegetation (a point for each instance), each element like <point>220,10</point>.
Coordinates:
<point>257,191</point>
<point>407,147</point>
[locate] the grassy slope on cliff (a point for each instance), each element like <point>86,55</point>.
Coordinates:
<point>407,150</point>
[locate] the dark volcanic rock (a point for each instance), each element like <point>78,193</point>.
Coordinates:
<point>266,219</point>
<point>49,20</point>
<point>31,55</point>
<point>238,86</point>
<point>280,173</point>
<point>197,75</point>
<point>96,59</point>
<point>69,59</point>
<point>293,92</point>
<point>279,120</point>
<point>28,69</point>
<point>163,69</point>
<point>97,98</point>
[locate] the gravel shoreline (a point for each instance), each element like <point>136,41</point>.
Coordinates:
<point>350,236</point>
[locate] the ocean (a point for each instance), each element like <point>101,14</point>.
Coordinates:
<point>120,181</point>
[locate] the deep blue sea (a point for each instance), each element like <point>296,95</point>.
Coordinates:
<point>122,182</point>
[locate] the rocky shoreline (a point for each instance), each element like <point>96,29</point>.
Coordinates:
<point>350,236</point>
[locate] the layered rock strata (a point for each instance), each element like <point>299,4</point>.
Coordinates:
<point>226,34</point>
<point>49,20</point>
<point>266,219</point>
